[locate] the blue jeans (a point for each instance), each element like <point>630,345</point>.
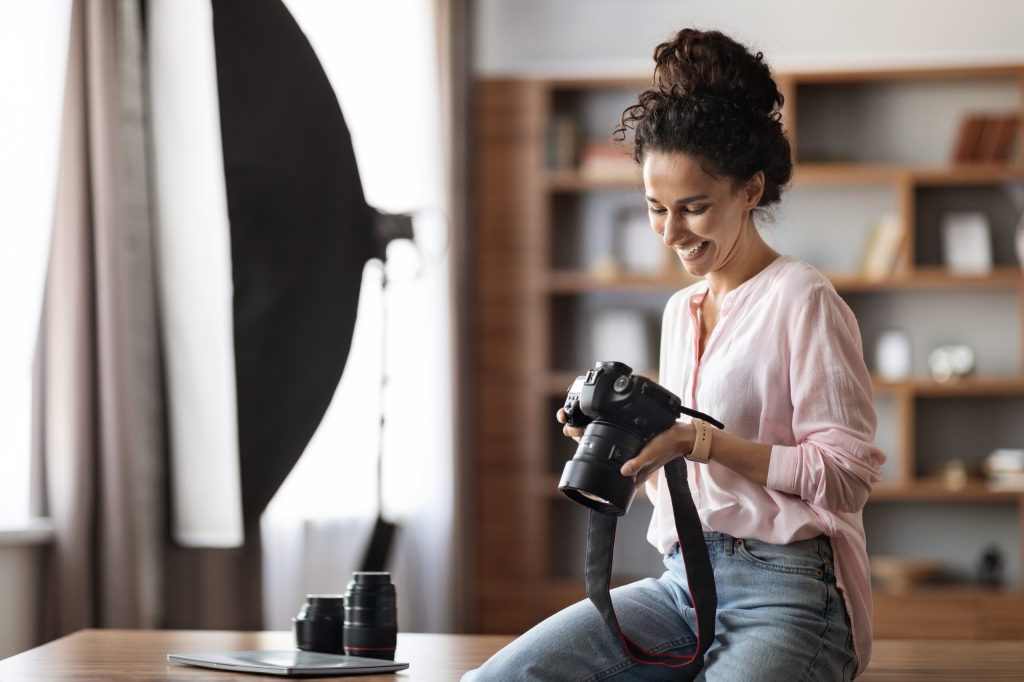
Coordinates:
<point>780,617</point>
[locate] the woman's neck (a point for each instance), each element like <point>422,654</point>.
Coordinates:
<point>751,256</point>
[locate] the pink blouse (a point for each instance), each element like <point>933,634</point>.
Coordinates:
<point>784,366</point>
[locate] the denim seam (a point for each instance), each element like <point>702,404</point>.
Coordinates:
<point>823,636</point>
<point>745,554</point>
<point>631,662</point>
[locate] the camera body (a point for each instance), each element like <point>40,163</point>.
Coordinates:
<point>621,412</point>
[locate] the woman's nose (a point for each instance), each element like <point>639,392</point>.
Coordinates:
<point>675,231</point>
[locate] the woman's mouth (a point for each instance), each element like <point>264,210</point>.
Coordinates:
<point>694,251</point>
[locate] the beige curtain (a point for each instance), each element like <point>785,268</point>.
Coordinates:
<point>101,433</point>
<point>100,443</point>
<point>454,27</point>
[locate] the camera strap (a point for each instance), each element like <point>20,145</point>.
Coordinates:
<point>699,576</point>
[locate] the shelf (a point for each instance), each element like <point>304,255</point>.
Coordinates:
<point>936,491</point>
<point>967,387</point>
<point>930,278</point>
<point>572,181</point>
<point>882,174</point>
<point>922,278</point>
<point>824,174</point>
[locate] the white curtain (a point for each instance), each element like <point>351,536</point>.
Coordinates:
<point>33,61</point>
<point>381,59</point>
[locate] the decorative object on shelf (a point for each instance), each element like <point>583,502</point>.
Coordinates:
<point>986,138</point>
<point>635,246</point>
<point>622,333</point>
<point>892,355</point>
<point>882,248</point>
<point>608,161</point>
<point>954,474</point>
<point>901,574</point>
<point>1004,469</point>
<point>990,568</point>
<point>605,267</point>
<point>967,243</point>
<point>950,363</point>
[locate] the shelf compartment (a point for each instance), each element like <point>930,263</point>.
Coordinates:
<point>911,118</point>
<point>955,534</point>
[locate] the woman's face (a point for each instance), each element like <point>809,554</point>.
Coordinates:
<point>702,218</point>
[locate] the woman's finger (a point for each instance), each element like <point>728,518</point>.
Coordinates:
<point>560,416</point>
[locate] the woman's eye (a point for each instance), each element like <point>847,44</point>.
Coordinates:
<point>656,211</point>
<point>697,211</point>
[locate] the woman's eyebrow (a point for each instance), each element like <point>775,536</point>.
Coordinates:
<point>684,200</point>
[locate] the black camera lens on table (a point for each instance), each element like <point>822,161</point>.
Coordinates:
<point>621,412</point>
<point>319,625</point>
<point>361,622</point>
<point>371,622</point>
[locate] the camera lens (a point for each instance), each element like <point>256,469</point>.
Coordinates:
<point>320,624</point>
<point>592,476</point>
<point>371,623</point>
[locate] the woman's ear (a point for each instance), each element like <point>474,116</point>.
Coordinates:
<point>752,190</point>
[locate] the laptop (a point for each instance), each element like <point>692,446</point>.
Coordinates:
<point>294,663</point>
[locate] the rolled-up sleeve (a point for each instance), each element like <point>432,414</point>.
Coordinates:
<point>834,463</point>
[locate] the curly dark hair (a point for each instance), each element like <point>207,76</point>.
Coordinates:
<point>712,99</point>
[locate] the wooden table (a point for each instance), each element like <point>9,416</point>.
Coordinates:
<point>142,655</point>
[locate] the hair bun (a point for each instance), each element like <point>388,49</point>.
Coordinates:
<point>709,63</point>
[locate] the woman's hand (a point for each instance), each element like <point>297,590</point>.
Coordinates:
<point>573,432</point>
<point>675,441</point>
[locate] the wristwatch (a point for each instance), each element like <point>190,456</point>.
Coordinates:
<point>701,452</point>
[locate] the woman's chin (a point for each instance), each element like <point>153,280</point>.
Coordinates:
<point>697,267</point>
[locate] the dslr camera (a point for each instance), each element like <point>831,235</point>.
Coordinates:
<point>621,412</point>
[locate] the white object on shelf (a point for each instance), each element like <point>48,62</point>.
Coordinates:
<point>892,355</point>
<point>967,243</point>
<point>621,334</point>
<point>636,246</point>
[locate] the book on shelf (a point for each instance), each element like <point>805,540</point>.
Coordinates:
<point>986,138</point>
<point>883,247</point>
<point>608,161</point>
<point>1004,469</point>
<point>563,142</point>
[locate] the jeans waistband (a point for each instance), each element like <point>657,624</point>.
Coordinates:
<point>726,544</point>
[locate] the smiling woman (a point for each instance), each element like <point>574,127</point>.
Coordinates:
<point>766,345</point>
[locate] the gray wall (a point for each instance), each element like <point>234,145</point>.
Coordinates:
<point>578,37</point>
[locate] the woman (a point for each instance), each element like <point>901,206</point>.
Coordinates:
<point>766,345</point>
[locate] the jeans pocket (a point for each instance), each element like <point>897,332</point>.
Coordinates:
<point>799,558</point>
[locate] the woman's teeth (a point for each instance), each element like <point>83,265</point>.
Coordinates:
<point>695,250</point>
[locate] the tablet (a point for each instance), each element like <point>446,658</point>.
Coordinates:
<point>289,663</point>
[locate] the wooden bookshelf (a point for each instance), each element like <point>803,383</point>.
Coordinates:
<point>527,299</point>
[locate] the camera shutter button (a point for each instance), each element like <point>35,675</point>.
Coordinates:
<point>621,384</point>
